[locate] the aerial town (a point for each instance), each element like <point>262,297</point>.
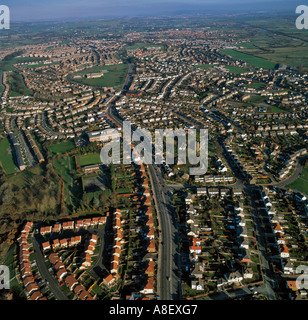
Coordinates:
<point>73,228</point>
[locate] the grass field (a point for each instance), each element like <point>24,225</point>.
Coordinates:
<point>62,168</point>
<point>205,66</point>
<point>255,99</point>
<point>89,159</point>
<point>301,183</point>
<point>62,147</point>
<point>279,41</point>
<point>6,157</point>
<point>274,109</point>
<point>256,85</point>
<point>114,77</point>
<point>7,63</point>
<point>252,60</point>
<point>236,70</point>
<point>17,85</point>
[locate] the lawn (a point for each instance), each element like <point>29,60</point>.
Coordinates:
<point>204,66</point>
<point>255,99</point>
<point>17,85</point>
<point>301,183</point>
<point>6,157</point>
<point>274,109</point>
<point>89,159</point>
<point>115,76</point>
<point>62,168</point>
<point>236,70</point>
<point>256,85</point>
<point>62,147</point>
<point>252,60</point>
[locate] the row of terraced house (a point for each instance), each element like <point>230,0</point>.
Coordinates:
<point>31,287</point>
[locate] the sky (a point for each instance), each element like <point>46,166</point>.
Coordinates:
<point>33,10</point>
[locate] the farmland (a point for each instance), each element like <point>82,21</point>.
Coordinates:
<point>251,59</point>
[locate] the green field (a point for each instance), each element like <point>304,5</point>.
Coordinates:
<point>274,109</point>
<point>89,159</point>
<point>256,85</point>
<point>255,99</point>
<point>6,157</point>
<point>301,183</point>
<point>114,77</point>
<point>17,86</point>
<point>62,147</point>
<point>62,167</point>
<point>252,60</point>
<point>6,64</point>
<point>205,66</point>
<point>278,40</point>
<point>236,70</point>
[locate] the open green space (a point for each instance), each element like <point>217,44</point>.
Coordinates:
<point>6,157</point>
<point>204,66</point>
<point>252,60</point>
<point>301,183</point>
<point>17,85</point>
<point>114,77</point>
<point>236,70</point>
<point>256,85</point>
<point>61,167</point>
<point>274,109</point>
<point>89,159</point>
<point>62,147</point>
<point>255,99</point>
<point>6,64</point>
<point>277,40</point>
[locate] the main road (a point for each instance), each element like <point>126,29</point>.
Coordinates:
<point>168,277</point>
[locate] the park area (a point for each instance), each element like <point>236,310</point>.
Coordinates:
<point>88,159</point>
<point>114,75</point>
<point>6,157</point>
<point>301,183</point>
<point>250,59</point>
<point>61,148</point>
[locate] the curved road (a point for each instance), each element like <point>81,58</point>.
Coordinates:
<point>45,274</point>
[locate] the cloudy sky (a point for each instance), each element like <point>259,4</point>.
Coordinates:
<point>27,10</point>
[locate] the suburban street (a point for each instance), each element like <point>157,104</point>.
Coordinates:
<point>168,268</point>
<point>40,261</point>
<point>169,251</point>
